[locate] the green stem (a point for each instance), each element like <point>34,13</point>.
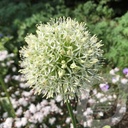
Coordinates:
<point>8,97</point>
<point>71,113</point>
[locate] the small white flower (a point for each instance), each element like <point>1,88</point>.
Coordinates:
<point>88,112</point>
<point>32,108</point>
<point>14,103</point>
<point>46,110</point>
<point>115,79</point>
<point>27,114</point>
<point>5,114</point>
<point>122,110</point>
<point>23,121</point>
<point>38,107</point>
<point>52,120</point>
<point>124,80</point>
<point>39,116</point>
<point>89,122</point>
<point>100,113</point>
<point>91,101</point>
<point>118,105</point>
<point>99,95</point>
<point>103,99</point>
<point>71,125</point>
<point>3,55</point>
<point>85,124</point>
<point>18,123</point>
<point>26,94</point>
<point>114,96</point>
<point>116,69</point>
<point>19,111</point>
<point>7,78</point>
<point>44,103</point>
<point>112,72</point>
<point>68,120</point>
<point>95,91</point>
<point>84,94</point>
<point>58,98</point>
<point>22,101</point>
<point>115,120</point>
<point>109,97</point>
<point>8,123</point>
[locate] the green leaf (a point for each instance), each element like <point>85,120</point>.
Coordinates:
<point>107,126</point>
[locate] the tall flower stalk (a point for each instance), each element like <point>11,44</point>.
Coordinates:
<point>60,58</point>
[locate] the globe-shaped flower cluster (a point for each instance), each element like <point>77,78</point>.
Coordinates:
<point>60,58</point>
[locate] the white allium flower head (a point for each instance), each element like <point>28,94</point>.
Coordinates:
<point>60,58</point>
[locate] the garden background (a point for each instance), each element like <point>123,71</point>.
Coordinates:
<point>108,19</point>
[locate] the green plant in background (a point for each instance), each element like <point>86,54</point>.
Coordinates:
<point>118,37</point>
<point>60,59</point>
<point>4,68</point>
